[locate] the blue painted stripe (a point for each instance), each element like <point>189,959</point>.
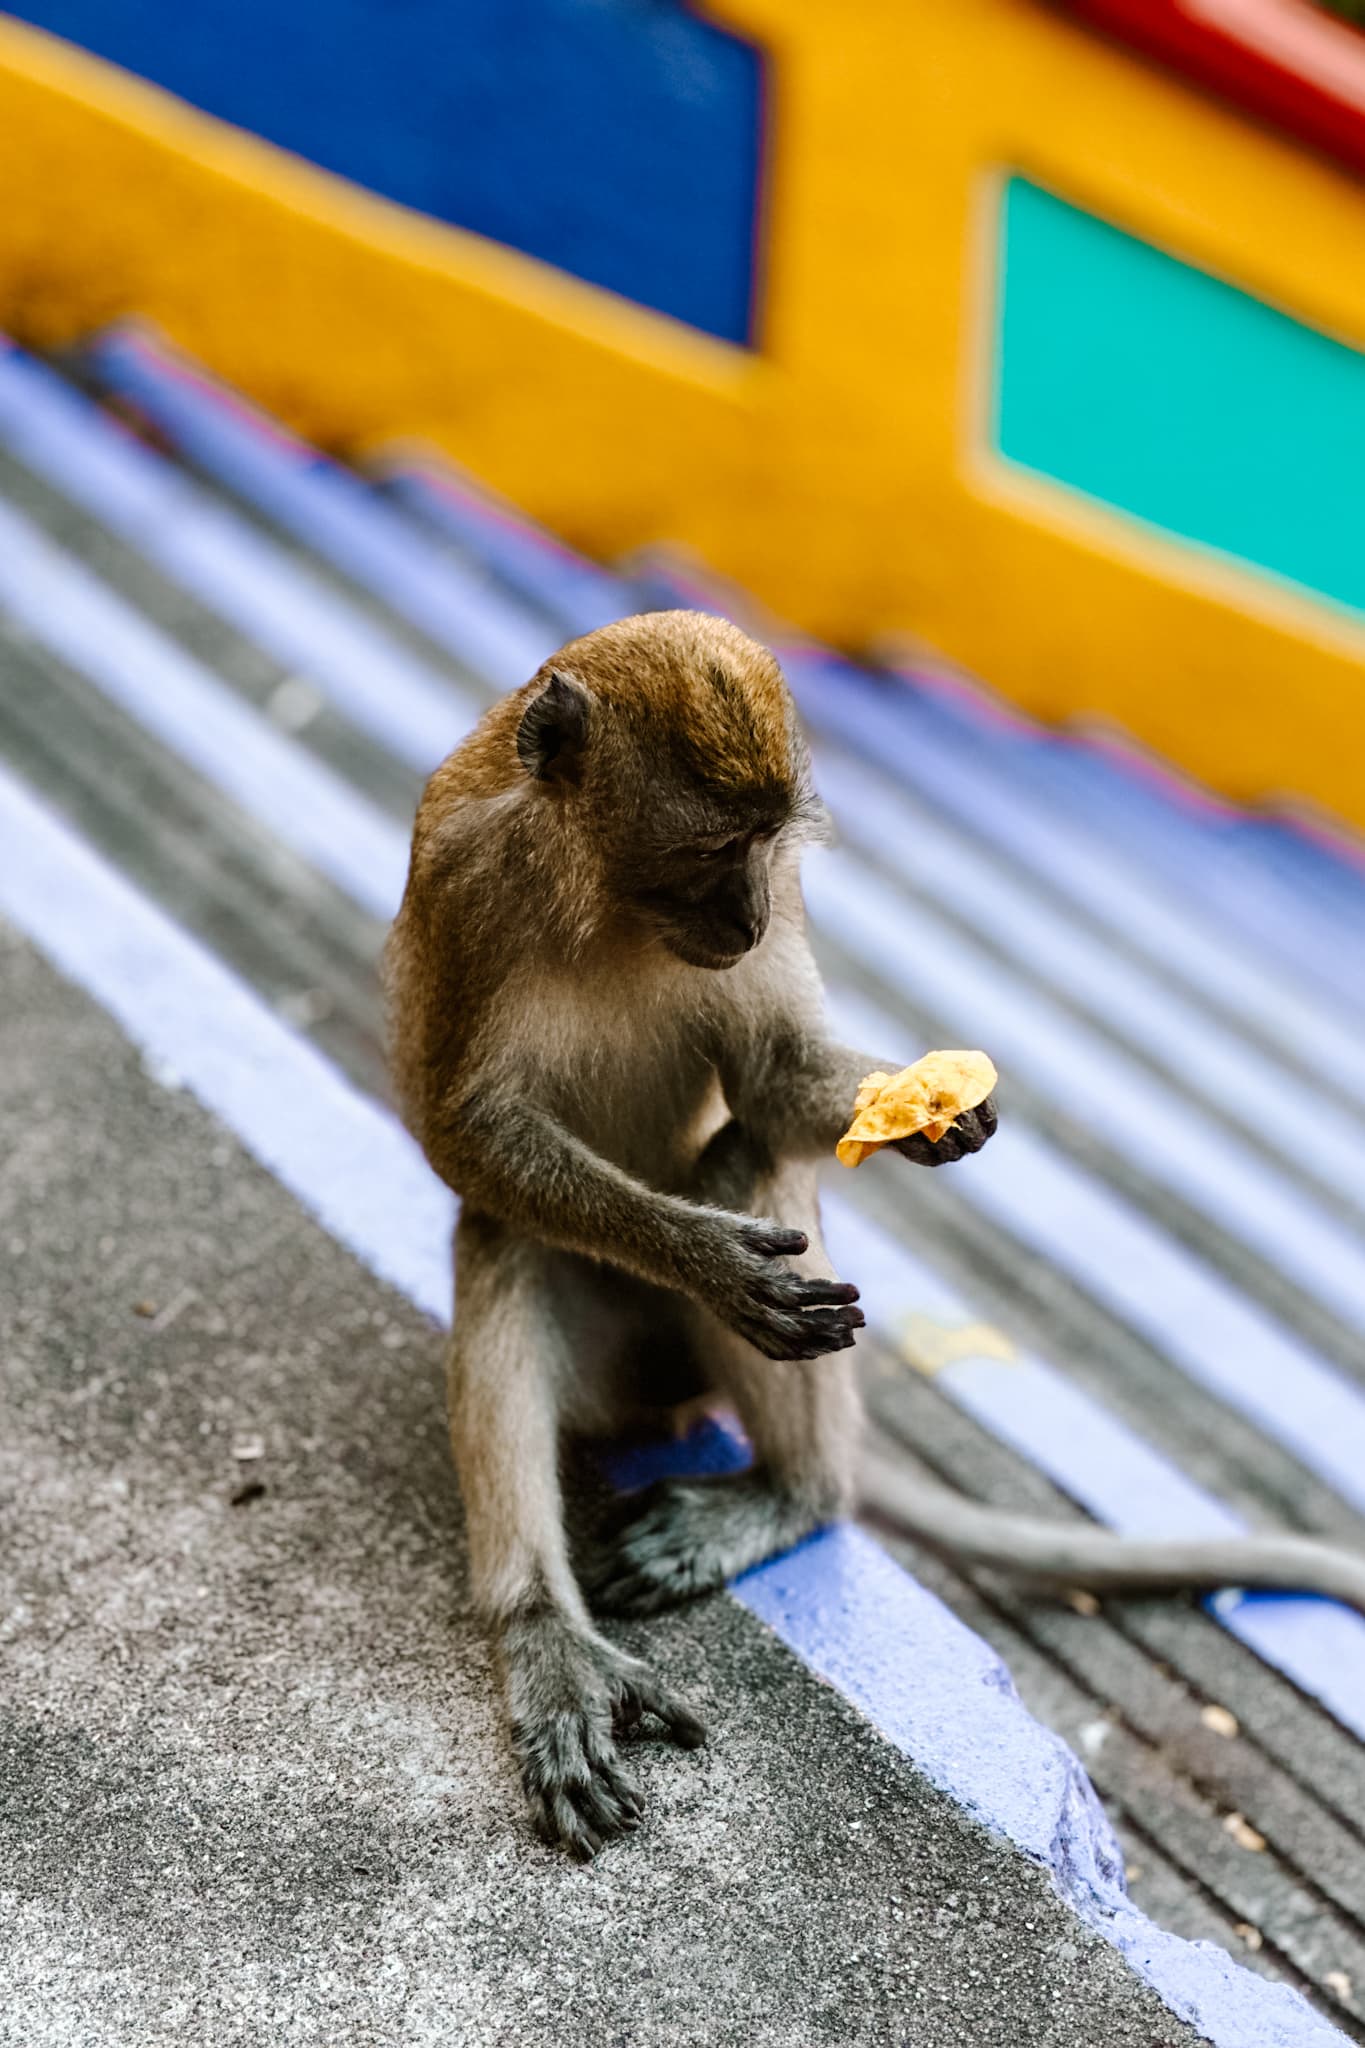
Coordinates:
<point>1333,869</point>
<point>1232,857</point>
<point>412,709</point>
<point>936,1690</point>
<point>326,507</point>
<point>935,966</point>
<point>174,696</point>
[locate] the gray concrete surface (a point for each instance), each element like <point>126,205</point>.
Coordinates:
<point>254,1787</point>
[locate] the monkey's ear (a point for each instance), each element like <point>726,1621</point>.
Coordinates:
<point>553,729</point>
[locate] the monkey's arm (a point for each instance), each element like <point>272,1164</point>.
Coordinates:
<point>511,1158</point>
<point>794,1089</point>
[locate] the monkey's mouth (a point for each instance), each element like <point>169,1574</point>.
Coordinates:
<point>698,940</point>
<point>697,951</point>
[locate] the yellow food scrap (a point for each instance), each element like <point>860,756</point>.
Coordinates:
<point>930,1096</point>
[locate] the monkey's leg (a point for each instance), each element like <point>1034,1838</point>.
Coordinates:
<point>570,1693</point>
<point>685,1537</point>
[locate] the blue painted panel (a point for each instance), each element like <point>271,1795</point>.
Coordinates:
<point>1162,391</point>
<point>619,139</point>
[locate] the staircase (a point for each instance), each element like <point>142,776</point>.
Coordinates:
<point>230,662</point>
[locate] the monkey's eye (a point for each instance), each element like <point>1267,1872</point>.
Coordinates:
<point>714,852</point>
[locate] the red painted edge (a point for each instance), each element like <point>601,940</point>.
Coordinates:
<point>1227,55</point>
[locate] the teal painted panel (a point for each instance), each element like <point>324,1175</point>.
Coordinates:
<point>1162,391</point>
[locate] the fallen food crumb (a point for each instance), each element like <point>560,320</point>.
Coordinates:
<point>1242,1832</point>
<point>1220,1721</point>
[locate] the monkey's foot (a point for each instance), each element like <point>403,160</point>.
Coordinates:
<point>682,1538</point>
<point>570,1697</point>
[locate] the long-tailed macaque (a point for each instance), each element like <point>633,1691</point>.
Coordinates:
<point>608,1034</point>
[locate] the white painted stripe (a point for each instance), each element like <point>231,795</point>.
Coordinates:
<point>174,696</point>
<point>408,706</point>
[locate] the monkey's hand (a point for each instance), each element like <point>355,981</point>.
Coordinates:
<point>781,1313</point>
<point>968,1134</point>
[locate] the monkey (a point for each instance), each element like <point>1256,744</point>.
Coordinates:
<point>607,1032</point>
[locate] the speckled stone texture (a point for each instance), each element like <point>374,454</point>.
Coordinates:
<point>254,1788</point>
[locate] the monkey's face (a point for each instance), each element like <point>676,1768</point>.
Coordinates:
<point>708,897</point>
<point>668,752</point>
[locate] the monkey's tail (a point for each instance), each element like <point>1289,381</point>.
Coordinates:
<point>1076,1554</point>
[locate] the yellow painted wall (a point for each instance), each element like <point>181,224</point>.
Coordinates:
<point>842,473</point>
